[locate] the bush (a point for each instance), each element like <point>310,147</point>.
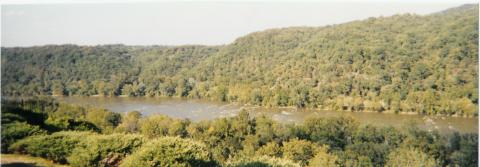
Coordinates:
<point>465,149</point>
<point>56,147</point>
<point>299,150</point>
<point>323,158</point>
<point>155,125</point>
<point>271,149</point>
<point>12,114</point>
<point>262,161</point>
<point>170,151</point>
<point>16,131</point>
<point>71,125</point>
<point>179,128</point>
<point>129,122</point>
<point>104,150</point>
<point>330,131</point>
<point>104,119</point>
<point>409,157</point>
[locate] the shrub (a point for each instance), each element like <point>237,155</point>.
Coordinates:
<point>409,157</point>
<point>271,149</point>
<point>170,151</point>
<point>16,131</point>
<point>179,128</point>
<point>55,147</point>
<point>104,150</point>
<point>104,119</point>
<point>465,149</point>
<point>299,150</point>
<point>323,158</point>
<point>12,114</point>
<point>129,122</point>
<point>155,126</point>
<point>330,131</point>
<point>262,161</point>
<point>376,153</point>
<point>72,125</point>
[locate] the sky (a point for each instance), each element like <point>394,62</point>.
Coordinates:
<point>27,23</point>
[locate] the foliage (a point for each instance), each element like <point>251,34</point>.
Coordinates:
<point>129,122</point>
<point>160,125</point>
<point>402,63</point>
<point>464,149</point>
<point>53,116</point>
<point>323,158</point>
<point>16,131</point>
<point>262,161</point>
<point>299,150</point>
<point>271,149</point>
<point>409,157</point>
<point>55,147</point>
<point>104,119</point>
<point>239,140</point>
<point>104,150</point>
<point>333,132</point>
<point>170,151</point>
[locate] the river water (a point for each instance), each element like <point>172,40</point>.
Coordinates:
<point>204,110</point>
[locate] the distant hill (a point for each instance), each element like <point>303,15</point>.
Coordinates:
<point>403,63</point>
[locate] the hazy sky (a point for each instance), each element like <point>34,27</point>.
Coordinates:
<point>179,23</point>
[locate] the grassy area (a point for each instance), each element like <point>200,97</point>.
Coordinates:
<point>16,160</point>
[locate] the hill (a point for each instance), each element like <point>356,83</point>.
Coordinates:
<point>403,63</point>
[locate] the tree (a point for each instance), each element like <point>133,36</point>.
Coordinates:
<point>155,126</point>
<point>271,149</point>
<point>300,151</point>
<point>261,161</point>
<point>334,132</point>
<point>264,129</point>
<point>168,151</point>
<point>409,157</point>
<point>104,150</point>
<point>104,119</point>
<point>323,158</point>
<point>464,149</point>
<point>401,63</point>
<point>178,128</point>
<point>129,122</point>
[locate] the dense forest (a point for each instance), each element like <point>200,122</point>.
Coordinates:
<point>80,137</point>
<point>424,64</point>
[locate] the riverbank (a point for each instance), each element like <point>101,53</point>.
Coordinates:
<point>248,106</point>
<point>199,110</point>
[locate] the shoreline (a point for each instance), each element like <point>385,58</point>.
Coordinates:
<point>242,105</point>
<point>283,114</point>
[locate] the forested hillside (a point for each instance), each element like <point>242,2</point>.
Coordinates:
<point>403,63</point>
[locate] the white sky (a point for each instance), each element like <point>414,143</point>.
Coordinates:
<point>179,23</point>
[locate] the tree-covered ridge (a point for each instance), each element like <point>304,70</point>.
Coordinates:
<point>109,70</point>
<point>403,63</point>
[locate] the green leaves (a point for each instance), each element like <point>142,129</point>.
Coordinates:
<point>409,157</point>
<point>379,62</point>
<point>104,150</point>
<point>170,151</point>
<point>238,141</point>
<point>55,147</point>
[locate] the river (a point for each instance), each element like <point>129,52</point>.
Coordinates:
<point>197,110</point>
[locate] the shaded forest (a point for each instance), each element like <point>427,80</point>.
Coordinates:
<point>404,63</point>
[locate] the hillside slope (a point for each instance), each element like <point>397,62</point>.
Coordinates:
<point>403,63</point>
